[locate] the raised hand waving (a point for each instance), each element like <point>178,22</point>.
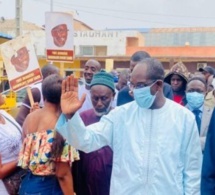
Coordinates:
<point>69,96</point>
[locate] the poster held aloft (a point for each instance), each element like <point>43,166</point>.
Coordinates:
<point>21,63</point>
<point>59,36</point>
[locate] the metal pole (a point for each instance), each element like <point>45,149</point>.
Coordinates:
<point>51,6</point>
<point>18,17</point>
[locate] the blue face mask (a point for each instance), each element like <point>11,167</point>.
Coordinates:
<point>143,97</point>
<point>195,99</point>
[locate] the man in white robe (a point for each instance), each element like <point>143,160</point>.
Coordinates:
<point>90,68</point>
<point>155,141</point>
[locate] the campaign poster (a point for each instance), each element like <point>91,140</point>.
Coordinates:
<point>20,62</point>
<point>59,36</point>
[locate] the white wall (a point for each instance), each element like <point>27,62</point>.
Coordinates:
<point>114,40</point>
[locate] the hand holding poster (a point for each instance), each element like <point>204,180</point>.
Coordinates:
<point>59,36</point>
<point>20,62</point>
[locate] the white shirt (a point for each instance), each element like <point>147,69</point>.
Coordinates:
<point>156,152</point>
<point>10,138</point>
<point>213,83</point>
<point>114,104</point>
<point>10,142</point>
<point>200,109</point>
<point>3,190</point>
<point>87,103</point>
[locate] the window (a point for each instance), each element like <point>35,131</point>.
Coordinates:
<point>93,50</point>
<point>87,50</point>
<point>68,72</point>
<point>132,41</point>
<point>101,51</point>
<point>201,65</point>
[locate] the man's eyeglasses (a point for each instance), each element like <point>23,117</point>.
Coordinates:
<point>140,85</point>
<point>195,90</point>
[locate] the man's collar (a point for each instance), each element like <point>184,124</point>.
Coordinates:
<point>87,86</point>
<point>191,109</point>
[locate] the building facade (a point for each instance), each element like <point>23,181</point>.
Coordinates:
<point>195,47</point>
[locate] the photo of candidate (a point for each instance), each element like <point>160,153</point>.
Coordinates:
<point>20,60</point>
<point>59,34</point>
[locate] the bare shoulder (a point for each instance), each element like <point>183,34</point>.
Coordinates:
<point>31,121</point>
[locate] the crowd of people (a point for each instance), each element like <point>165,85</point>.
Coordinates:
<point>137,131</point>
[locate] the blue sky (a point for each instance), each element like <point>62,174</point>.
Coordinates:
<point>101,14</point>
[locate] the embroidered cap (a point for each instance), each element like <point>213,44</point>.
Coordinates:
<point>103,78</point>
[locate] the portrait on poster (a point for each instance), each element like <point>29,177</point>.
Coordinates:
<point>59,31</point>
<point>20,62</point>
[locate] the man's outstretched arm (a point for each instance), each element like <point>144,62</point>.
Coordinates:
<point>83,138</point>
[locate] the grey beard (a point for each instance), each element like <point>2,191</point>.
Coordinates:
<point>100,114</point>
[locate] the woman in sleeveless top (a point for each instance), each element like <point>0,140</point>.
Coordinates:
<point>45,153</point>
